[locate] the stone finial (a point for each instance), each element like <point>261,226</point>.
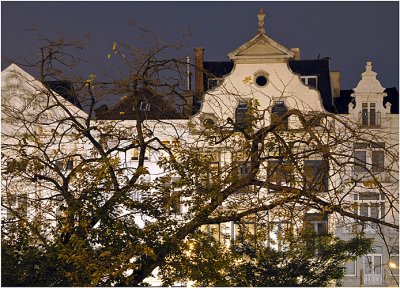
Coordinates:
<point>368,67</point>
<point>261,16</point>
<point>369,84</point>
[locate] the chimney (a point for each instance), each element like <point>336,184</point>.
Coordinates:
<point>335,83</point>
<point>296,52</point>
<point>198,75</point>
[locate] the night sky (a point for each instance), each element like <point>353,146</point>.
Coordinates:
<point>350,33</point>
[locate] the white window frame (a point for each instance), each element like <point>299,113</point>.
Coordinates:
<point>373,278</point>
<point>367,108</point>
<point>369,227</point>
<point>306,78</point>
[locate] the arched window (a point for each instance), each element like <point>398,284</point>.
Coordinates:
<point>277,111</point>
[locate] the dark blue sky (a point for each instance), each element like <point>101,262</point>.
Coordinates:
<point>350,33</point>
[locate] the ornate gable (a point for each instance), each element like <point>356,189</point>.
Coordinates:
<point>261,49</point>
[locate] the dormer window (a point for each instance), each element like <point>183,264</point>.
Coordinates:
<point>144,106</point>
<point>310,81</point>
<point>214,82</point>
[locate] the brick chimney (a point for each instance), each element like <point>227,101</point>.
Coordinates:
<point>198,74</point>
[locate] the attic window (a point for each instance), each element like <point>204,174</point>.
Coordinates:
<point>144,106</point>
<point>310,81</point>
<point>214,82</point>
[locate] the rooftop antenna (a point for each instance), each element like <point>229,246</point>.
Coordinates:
<point>187,73</point>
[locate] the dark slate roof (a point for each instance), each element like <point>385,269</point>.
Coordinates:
<point>342,102</point>
<point>66,90</point>
<point>320,68</point>
<point>218,69</point>
<point>393,98</point>
<point>160,109</point>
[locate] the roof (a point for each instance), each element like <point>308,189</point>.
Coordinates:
<point>35,85</point>
<point>218,68</point>
<point>342,102</point>
<point>66,90</point>
<point>149,107</point>
<point>320,68</point>
<point>393,98</point>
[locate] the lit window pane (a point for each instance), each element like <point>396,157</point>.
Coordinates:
<point>394,264</point>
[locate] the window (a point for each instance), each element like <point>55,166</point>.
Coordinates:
<point>59,164</point>
<point>241,115</point>
<point>243,169</point>
<point>214,82</point>
<point>70,164</point>
<point>350,268</point>
<point>280,172</point>
<point>375,154</point>
<point>310,81</point>
<point>144,106</point>
<point>212,159</point>
<point>316,173</point>
<point>373,267</point>
<point>277,111</point>
<point>370,204</point>
<point>369,115</point>
<point>279,231</point>
<point>360,161</point>
<point>316,222</point>
<point>378,158</point>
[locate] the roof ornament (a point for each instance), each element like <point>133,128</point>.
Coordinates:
<point>261,16</point>
<point>368,67</point>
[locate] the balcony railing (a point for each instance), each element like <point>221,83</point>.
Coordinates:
<point>369,119</point>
